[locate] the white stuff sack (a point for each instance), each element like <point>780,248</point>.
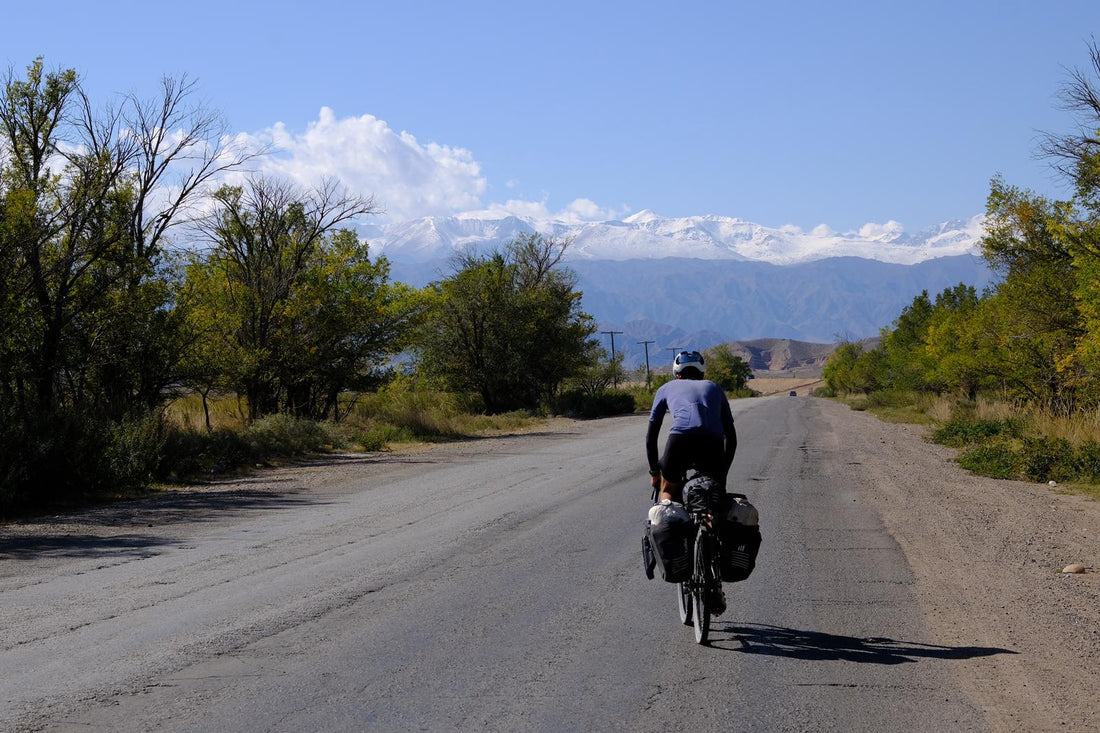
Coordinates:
<point>667,511</point>
<point>744,513</point>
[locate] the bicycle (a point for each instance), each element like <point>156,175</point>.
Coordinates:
<point>699,596</point>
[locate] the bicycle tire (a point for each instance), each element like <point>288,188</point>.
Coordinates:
<point>683,597</point>
<point>701,584</point>
<point>649,561</point>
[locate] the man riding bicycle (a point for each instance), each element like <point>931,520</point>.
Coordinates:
<point>702,435</point>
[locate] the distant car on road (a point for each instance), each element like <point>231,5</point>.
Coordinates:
<point>794,393</point>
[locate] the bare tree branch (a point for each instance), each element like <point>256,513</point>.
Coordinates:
<point>174,137</point>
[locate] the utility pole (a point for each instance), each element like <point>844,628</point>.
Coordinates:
<point>615,377</point>
<point>646,344</point>
<point>675,350</point>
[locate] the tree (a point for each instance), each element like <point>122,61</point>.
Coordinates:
<point>948,350</point>
<point>598,373</point>
<point>726,369</point>
<point>89,335</point>
<point>344,320</point>
<point>840,373</point>
<point>507,325</point>
<point>903,364</point>
<point>1035,323</point>
<point>298,303</point>
<point>1077,156</point>
<point>87,200</point>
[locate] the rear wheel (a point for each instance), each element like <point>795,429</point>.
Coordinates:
<point>683,596</point>
<point>701,586</point>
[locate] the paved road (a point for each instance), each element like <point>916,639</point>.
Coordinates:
<point>499,589</point>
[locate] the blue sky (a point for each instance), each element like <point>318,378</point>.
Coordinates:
<point>800,113</point>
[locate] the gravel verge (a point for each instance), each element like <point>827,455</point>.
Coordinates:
<point>987,555</point>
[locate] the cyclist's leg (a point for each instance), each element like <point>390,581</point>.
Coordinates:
<point>672,491</point>
<point>677,459</point>
<point>685,451</point>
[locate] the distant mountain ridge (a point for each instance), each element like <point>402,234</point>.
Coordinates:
<point>779,355</point>
<point>825,301</point>
<point>645,235</point>
<point>695,282</point>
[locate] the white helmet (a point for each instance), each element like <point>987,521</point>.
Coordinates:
<point>688,360</point>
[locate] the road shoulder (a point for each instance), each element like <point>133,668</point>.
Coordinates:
<point>987,556</point>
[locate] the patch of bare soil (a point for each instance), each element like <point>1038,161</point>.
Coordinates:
<point>988,556</point>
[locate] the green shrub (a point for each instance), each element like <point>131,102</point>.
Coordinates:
<point>1087,462</point>
<point>378,436</point>
<point>859,404</point>
<point>995,460</point>
<point>67,456</point>
<point>418,413</point>
<point>576,403</point>
<point>284,435</point>
<point>643,396</point>
<point>189,453</point>
<point>134,451</point>
<point>962,432</point>
<point>1046,458</point>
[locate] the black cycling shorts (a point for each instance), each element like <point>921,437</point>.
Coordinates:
<point>702,451</point>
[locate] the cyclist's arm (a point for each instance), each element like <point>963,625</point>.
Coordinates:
<point>656,417</point>
<point>731,446</point>
<point>651,444</point>
<point>731,436</point>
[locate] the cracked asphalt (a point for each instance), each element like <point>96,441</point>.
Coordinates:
<point>496,584</point>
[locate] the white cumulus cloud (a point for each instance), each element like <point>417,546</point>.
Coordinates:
<point>872,230</point>
<point>408,179</point>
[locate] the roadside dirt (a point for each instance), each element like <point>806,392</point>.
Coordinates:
<point>988,556</point>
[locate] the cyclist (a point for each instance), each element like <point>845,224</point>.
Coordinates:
<point>702,433</point>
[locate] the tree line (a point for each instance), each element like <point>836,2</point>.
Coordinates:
<point>139,260</point>
<point>1034,337</point>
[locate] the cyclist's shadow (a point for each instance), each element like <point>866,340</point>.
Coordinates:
<point>778,641</point>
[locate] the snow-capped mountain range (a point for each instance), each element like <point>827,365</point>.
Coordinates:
<point>698,281</point>
<point>646,235</point>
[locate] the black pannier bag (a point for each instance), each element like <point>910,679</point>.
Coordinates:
<point>739,544</point>
<point>671,544</point>
<point>704,494</point>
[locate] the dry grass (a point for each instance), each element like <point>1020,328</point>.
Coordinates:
<point>941,409</point>
<point>1077,429</point>
<point>782,385</point>
<point>225,412</point>
<point>374,421</point>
